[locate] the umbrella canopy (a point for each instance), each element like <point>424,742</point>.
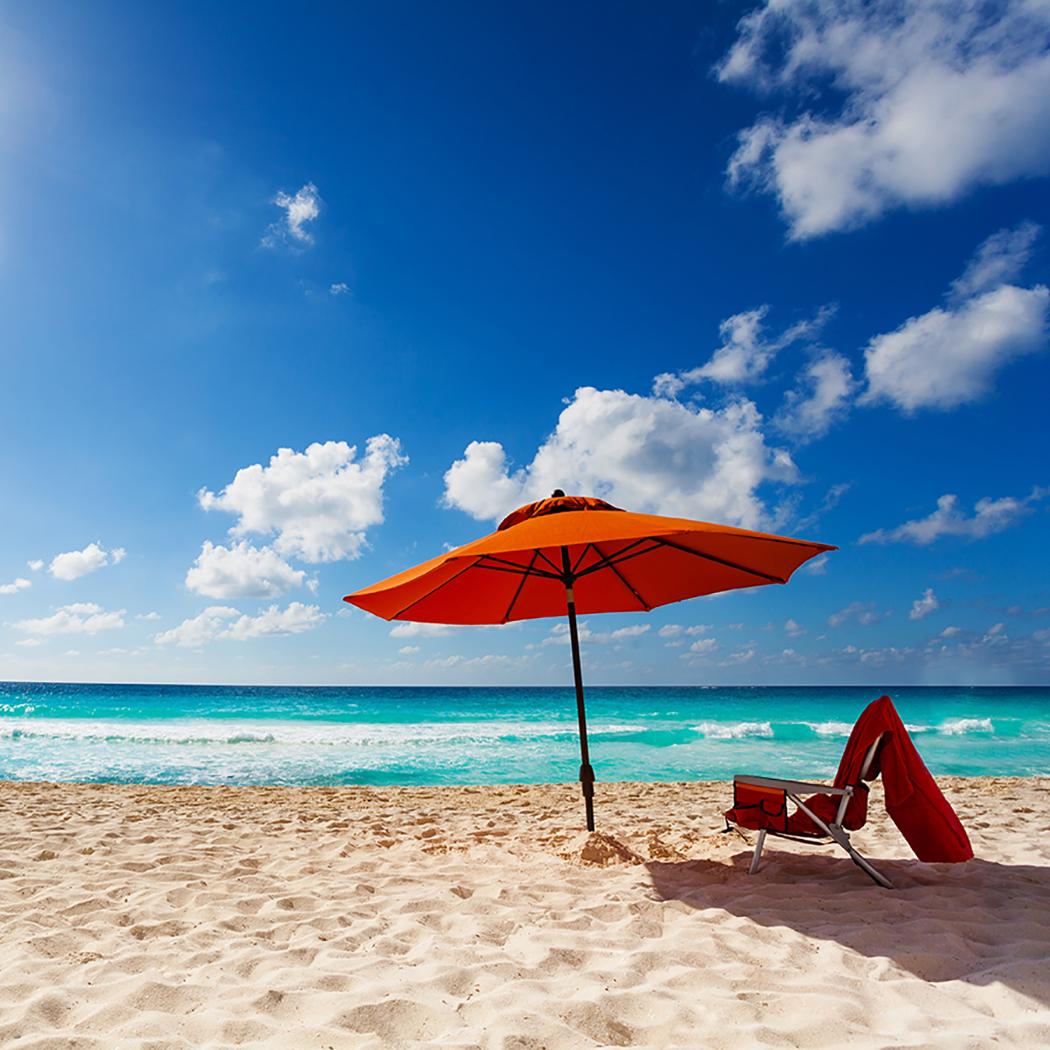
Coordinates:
<point>571,554</point>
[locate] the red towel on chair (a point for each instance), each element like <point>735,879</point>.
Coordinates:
<point>913,799</point>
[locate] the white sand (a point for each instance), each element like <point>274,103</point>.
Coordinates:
<point>144,917</point>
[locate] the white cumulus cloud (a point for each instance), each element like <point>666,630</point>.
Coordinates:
<point>317,503</point>
<point>241,571</point>
<point>19,584</point>
<point>937,99</point>
<point>949,519</point>
<point>641,453</point>
<point>950,356</point>
<point>79,618</point>
<point>73,564</point>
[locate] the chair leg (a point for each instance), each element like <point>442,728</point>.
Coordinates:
<point>756,856</point>
<point>876,876</point>
<point>839,835</point>
<point>872,873</point>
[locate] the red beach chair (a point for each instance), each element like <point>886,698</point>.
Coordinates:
<point>879,744</point>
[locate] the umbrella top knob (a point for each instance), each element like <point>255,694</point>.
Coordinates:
<point>558,503</point>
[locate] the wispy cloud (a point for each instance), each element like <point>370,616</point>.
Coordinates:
<point>425,630</point>
<point>300,209</point>
<point>863,612</point>
<point>990,516</point>
<point>79,618</point>
<point>821,398</point>
<point>276,623</point>
<point>672,630</point>
<point>704,645</point>
<point>492,661</point>
<point>560,634</point>
<point>922,607</point>
<point>745,353</point>
<point>213,623</point>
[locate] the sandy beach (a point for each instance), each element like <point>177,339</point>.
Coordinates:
<point>174,917</point>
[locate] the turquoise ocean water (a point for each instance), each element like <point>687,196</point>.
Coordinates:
<point>295,735</point>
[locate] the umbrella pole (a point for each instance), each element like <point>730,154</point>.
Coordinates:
<point>586,772</point>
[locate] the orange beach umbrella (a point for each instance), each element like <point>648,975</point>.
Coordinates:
<point>577,554</point>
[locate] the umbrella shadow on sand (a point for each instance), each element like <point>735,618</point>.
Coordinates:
<point>979,922</point>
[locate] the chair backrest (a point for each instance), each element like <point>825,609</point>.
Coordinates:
<point>869,758</point>
<point>860,789</point>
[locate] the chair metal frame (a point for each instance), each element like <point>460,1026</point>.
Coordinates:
<point>794,789</point>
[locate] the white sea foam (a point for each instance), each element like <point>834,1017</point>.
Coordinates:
<point>967,725</point>
<point>830,728</point>
<point>256,751</point>
<point>313,734</point>
<point>736,731</point>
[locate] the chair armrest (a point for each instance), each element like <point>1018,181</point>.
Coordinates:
<point>793,786</point>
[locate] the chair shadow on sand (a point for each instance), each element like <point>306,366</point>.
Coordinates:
<point>978,922</point>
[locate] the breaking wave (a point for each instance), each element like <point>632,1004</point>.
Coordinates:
<point>736,731</point>
<point>967,725</point>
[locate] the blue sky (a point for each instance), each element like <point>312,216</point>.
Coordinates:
<point>295,296</point>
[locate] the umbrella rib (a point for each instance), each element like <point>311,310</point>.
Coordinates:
<point>554,568</point>
<point>605,562</point>
<point>521,584</point>
<point>719,561</point>
<point>629,552</point>
<point>609,561</point>
<point>487,561</point>
<point>435,588</point>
